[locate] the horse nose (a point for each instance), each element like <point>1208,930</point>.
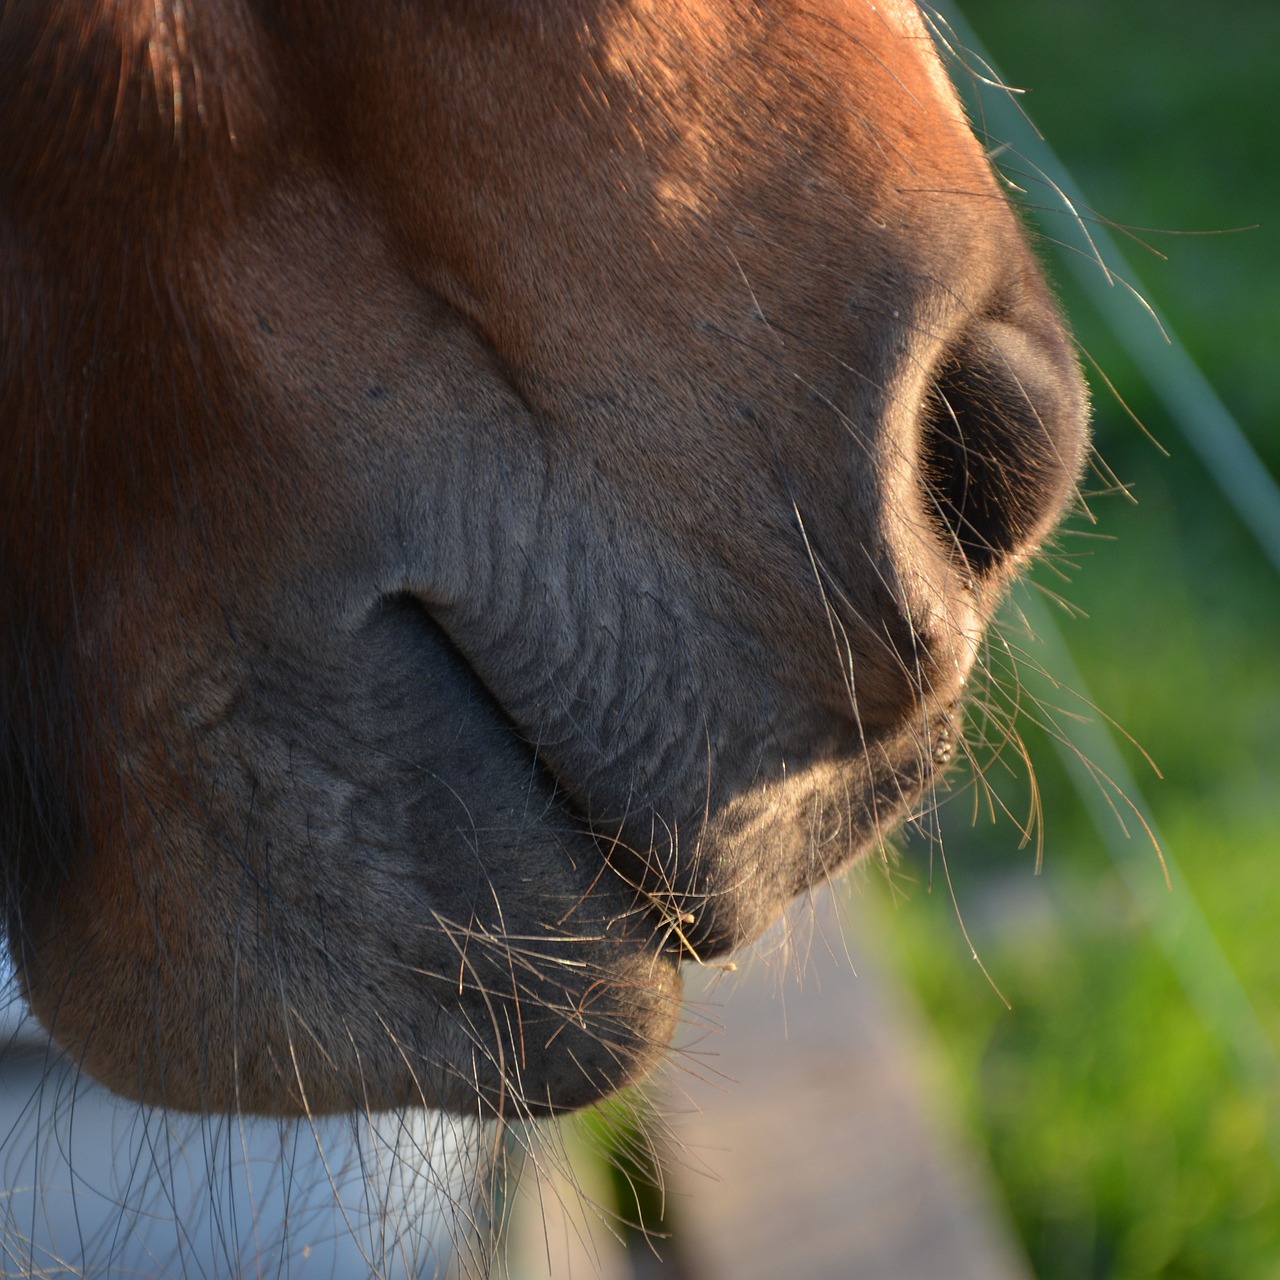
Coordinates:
<point>1002,439</point>
<point>999,434</point>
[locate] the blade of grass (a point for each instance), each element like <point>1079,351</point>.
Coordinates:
<point>1169,906</point>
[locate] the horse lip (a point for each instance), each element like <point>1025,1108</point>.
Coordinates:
<point>680,916</point>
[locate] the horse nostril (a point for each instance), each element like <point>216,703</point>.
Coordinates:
<point>1002,439</point>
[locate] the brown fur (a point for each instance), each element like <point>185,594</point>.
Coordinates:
<point>497,497</point>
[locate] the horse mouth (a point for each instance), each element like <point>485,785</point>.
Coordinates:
<point>646,906</point>
<point>698,885</point>
<point>560,981</point>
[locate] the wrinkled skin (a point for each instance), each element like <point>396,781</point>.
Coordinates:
<point>497,498</point>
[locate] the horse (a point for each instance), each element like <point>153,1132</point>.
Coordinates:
<point>498,500</point>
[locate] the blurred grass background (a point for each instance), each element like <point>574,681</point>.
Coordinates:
<point>1132,1128</point>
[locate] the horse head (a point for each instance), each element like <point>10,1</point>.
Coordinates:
<point>498,499</point>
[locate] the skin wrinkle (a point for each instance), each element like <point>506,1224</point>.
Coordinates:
<point>525,487</point>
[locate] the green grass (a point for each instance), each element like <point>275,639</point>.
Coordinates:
<point>1125,1143</point>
